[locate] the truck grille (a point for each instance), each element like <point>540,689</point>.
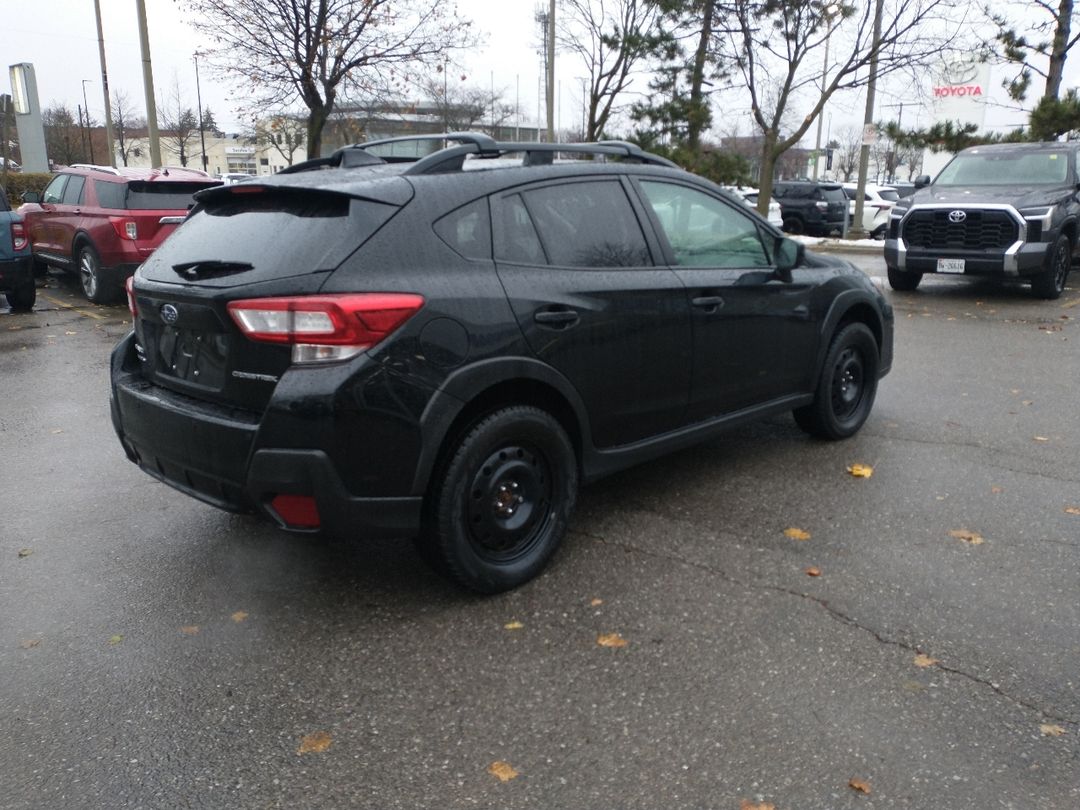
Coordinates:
<point>981,230</point>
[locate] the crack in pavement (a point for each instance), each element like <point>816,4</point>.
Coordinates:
<point>835,614</point>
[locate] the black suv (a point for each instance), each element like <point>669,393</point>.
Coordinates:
<point>817,209</point>
<point>1002,211</point>
<point>444,347</point>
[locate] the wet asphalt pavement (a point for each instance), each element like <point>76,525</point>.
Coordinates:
<point>157,653</point>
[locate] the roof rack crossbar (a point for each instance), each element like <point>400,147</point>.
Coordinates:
<point>479,139</point>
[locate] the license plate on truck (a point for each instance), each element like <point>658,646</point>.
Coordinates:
<point>950,265</point>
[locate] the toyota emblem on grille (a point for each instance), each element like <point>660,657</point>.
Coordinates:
<point>957,216</point>
<point>170,314</point>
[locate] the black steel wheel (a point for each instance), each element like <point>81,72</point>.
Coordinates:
<point>903,281</point>
<point>1050,284</point>
<point>847,386</point>
<point>794,226</point>
<point>502,508</point>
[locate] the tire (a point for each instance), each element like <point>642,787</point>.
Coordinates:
<point>1050,283</point>
<point>794,226</point>
<point>502,501</point>
<point>846,389</point>
<point>904,282</point>
<point>22,298</point>
<point>95,289</point>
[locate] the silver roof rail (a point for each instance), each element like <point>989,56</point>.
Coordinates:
<point>93,167</point>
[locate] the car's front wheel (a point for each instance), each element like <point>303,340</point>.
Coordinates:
<point>504,501</point>
<point>846,388</point>
<point>1050,284</point>
<point>904,282</point>
<point>94,287</point>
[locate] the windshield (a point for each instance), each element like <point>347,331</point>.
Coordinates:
<point>1006,169</point>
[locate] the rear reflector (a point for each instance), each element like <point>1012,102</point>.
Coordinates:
<point>18,236</point>
<point>296,511</point>
<point>325,327</point>
<point>129,287</point>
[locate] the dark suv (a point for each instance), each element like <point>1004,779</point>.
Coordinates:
<point>1006,211</point>
<point>102,222</point>
<point>446,346</point>
<point>817,209</point>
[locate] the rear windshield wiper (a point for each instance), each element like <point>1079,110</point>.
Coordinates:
<point>210,268</point>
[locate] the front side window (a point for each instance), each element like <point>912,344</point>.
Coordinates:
<point>702,230</point>
<point>54,192</point>
<point>588,224</point>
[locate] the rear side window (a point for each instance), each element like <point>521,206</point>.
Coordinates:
<point>73,191</point>
<point>467,230</point>
<point>516,239</point>
<point>110,195</point>
<point>301,230</point>
<point>889,194</point>
<point>589,224</point>
<point>143,196</point>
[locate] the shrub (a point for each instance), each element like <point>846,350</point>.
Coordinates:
<point>18,182</point>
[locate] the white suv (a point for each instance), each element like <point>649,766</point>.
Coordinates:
<point>877,203</point>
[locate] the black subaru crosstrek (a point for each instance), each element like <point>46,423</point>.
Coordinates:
<point>444,347</point>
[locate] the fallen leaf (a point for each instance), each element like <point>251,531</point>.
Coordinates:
<point>1028,402</point>
<point>514,625</point>
<point>813,571</point>
<point>315,743</point>
<point>596,602</point>
<point>748,805</point>
<point>56,431</point>
<point>996,490</point>
<point>1072,510</point>
<point>611,640</point>
<point>190,629</point>
<point>25,552</point>
<point>239,616</point>
<point>1050,730</point>
<point>116,639</point>
<point>503,771</point>
<point>861,470</point>
<point>972,538</point>
<point>30,643</point>
<point>861,785</point>
<point>923,660</point>
<point>70,333</point>
<point>797,534</point>
<point>1041,439</point>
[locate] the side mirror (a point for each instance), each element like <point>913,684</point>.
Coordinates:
<point>922,181</point>
<point>31,197</point>
<point>788,255</point>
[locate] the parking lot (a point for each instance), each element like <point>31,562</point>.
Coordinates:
<point>915,644</point>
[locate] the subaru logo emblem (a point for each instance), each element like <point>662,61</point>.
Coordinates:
<point>957,216</point>
<point>170,314</point>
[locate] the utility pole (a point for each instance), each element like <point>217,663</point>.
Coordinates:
<point>148,86</point>
<point>857,231</point>
<point>551,72</point>
<point>824,78</point>
<point>105,87</point>
<point>198,100</point>
<point>82,129</point>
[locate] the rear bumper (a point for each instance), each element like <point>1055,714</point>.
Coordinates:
<point>211,454</point>
<point>16,272</point>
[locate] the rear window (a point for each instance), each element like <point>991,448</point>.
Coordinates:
<point>298,230</point>
<point>142,196</point>
<point>833,194</point>
<point>889,194</point>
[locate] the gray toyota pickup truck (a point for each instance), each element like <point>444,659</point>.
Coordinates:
<point>1006,211</point>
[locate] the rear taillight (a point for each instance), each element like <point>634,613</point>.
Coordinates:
<point>129,286</point>
<point>324,328</point>
<point>821,205</point>
<point>125,228</point>
<point>18,236</point>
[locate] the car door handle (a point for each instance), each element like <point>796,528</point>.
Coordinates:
<point>710,302</point>
<point>556,317</point>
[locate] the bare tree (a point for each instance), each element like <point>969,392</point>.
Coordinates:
<point>846,153</point>
<point>284,132</point>
<point>64,141</point>
<point>316,50</point>
<point>179,123</point>
<point>464,106</point>
<point>613,38</point>
<point>125,121</point>
<point>772,42</point>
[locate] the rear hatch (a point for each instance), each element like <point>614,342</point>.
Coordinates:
<point>155,208</point>
<point>241,241</point>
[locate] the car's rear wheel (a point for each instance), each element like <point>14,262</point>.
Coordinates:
<point>794,226</point>
<point>22,297</point>
<point>502,506</point>
<point>847,386</point>
<point>902,281</point>
<point>94,287</point>
<point>1050,284</point>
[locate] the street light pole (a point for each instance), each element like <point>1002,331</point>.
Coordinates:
<point>89,132</point>
<point>105,87</point>
<point>198,100</point>
<point>857,230</point>
<point>148,86</point>
<point>824,78</point>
